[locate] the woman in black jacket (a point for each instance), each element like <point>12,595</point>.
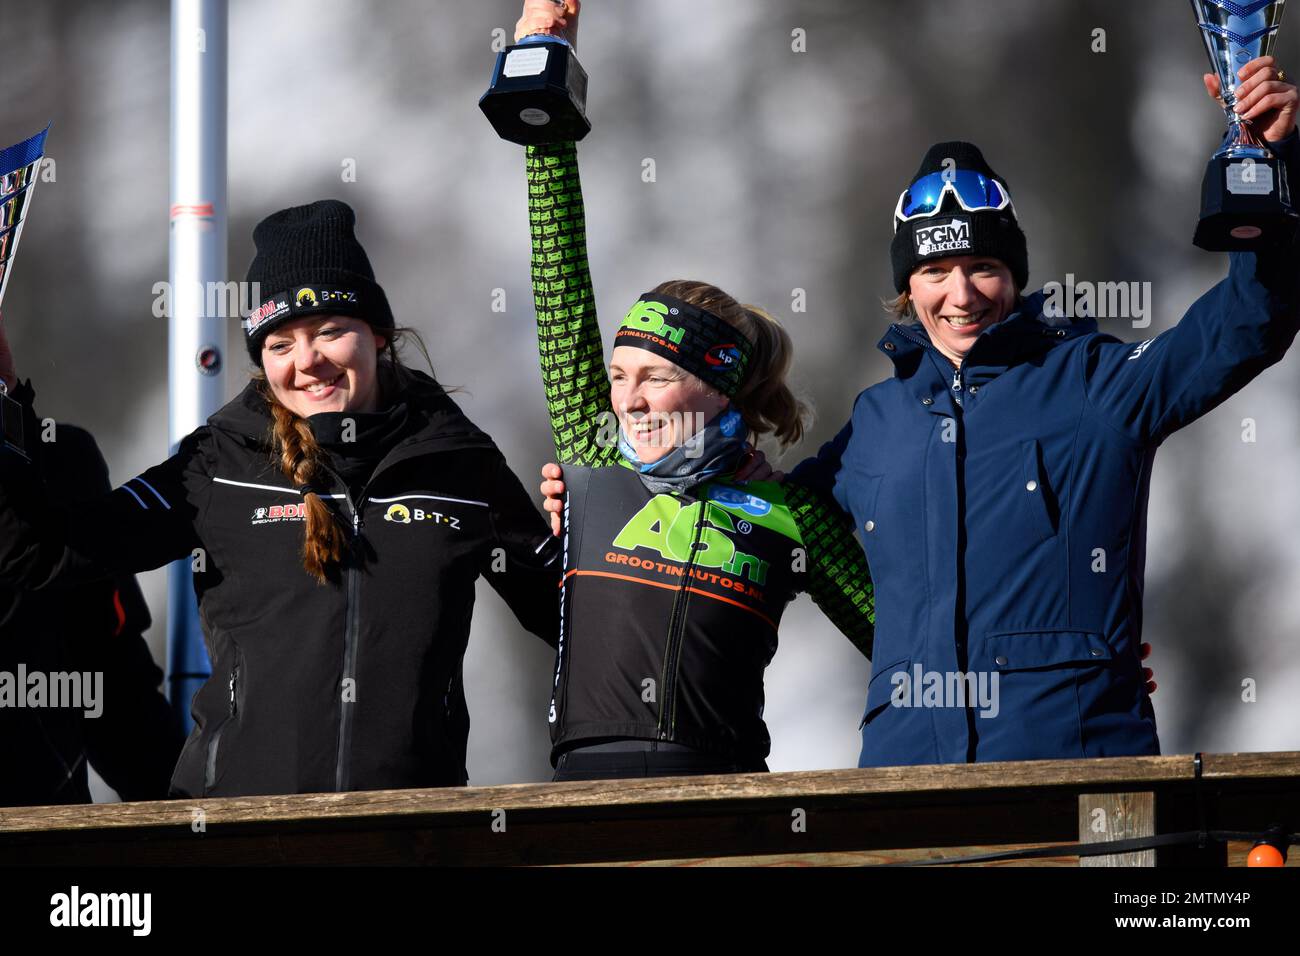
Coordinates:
<point>127,732</point>
<point>337,513</point>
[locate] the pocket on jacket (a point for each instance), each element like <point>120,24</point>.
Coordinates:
<point>1036,492</point>
<point>880,689</point>
<point>1009,651</point>
<point>1033,711</point>
<point>864,496</point>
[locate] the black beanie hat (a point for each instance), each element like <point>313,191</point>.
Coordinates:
<point>308,261</point>
<point>951,230</point>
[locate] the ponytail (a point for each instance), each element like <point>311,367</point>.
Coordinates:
<point>302,461</point>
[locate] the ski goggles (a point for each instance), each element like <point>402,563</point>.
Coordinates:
<point>973,191</point>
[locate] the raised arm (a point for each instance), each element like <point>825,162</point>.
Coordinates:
<point>568,338</point>
<point>1232,333</point>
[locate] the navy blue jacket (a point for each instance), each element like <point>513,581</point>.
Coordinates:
<point>1003,513</point>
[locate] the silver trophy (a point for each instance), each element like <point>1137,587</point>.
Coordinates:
<point>1245,196</point>
<point>19,167</point>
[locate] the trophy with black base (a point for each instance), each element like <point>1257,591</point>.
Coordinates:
<point>1245,196</point>
<point>538,92</point>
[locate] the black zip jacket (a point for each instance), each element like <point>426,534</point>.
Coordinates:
<point>709,574</point>
<point>96,627</point>
<point>351,685</point>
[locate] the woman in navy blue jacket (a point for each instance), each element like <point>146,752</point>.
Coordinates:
<point>999,480</point>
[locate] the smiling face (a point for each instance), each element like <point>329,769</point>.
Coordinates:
<point>959,297</point>
<point>323,363</point>
<point>659,405</point>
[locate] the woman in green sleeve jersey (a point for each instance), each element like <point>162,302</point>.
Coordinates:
<point>675,574</point>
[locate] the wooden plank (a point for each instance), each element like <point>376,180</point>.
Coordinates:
<point>888,812</point>
<point>1238,766</point>
<point>1101,774</point>
<point>1117,816</point>
<point>568,834</point>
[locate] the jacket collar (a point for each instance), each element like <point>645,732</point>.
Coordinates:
<point>1019,337</point>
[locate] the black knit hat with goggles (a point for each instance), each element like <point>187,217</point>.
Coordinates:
<point>954,196</point>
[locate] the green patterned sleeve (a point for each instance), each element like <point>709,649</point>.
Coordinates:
<point>839,580</point>
<point>568,338</point>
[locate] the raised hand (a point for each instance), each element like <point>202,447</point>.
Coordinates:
<point>1263,97</point>
<point>557,18</point>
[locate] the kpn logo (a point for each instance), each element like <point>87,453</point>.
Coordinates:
<point>666,526</point>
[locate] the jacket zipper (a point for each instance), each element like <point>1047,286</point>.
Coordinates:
<point>343,761</point>
<point>210,765</point>
<point>958,373</point>
<point>343,765</point>
<point>957,385</point>
<point>676,632</point>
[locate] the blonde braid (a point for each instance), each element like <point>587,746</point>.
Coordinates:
<point>301,459</point>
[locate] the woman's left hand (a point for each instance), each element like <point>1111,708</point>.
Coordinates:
<point>754,466</point>
<point>1263,98</point>
<point>553,494</point>
<point>1144,651</point>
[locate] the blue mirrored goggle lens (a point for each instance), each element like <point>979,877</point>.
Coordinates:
<point>976,191</point>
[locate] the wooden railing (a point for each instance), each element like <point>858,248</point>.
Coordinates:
<point>808,817</point>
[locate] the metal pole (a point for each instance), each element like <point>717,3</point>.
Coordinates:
<point>200,309</point>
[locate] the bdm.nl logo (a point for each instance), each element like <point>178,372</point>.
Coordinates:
<point>273,513</point>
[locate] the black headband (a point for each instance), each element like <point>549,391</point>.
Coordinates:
<point>698,341</point>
